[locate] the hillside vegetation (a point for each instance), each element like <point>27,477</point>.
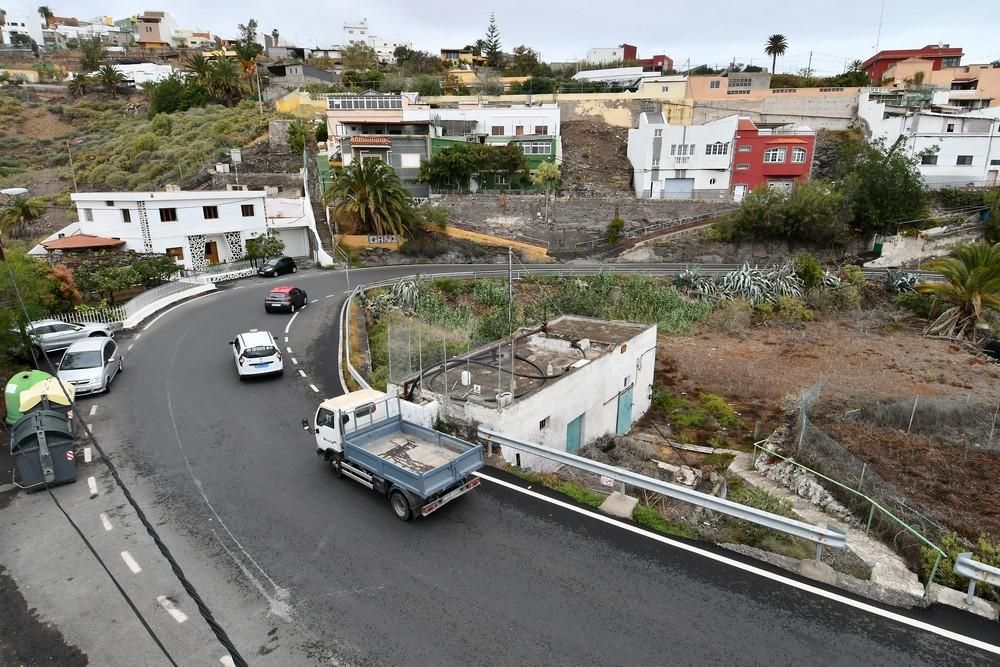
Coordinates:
<point>111,147</point>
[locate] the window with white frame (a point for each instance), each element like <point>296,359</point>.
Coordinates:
<point>964,161</point>
<point>657,133</point>
<point>714,84</point>
<point>665,89</point>
<point>745,148</point>
<point>168,215</point>
<point>928,159</point>
<point>774,155</point>
<point>541,129</point>
<point>656,162</point>
<point>742,166</point>
<point>536,148</point>
<point>409,160</point>
<point>798,156</point>
<point>126,215</point>
<point>497,130</point>
<point>718,148</point>
<point>88,215</point>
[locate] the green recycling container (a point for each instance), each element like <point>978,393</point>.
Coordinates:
<point>15,385</point>
<point>41,443</point>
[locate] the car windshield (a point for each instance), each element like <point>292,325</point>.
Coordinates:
<point>259,351</point>
<point>271,263</point>
<point>74,361</point>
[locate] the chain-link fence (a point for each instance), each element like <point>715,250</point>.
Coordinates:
<point>901,520</point>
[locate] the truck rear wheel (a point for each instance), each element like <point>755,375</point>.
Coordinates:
<point>400,505</point>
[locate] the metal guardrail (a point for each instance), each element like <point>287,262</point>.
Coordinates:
<point>975,571</point>
<point>658,226</point>
<point>820,535</point>
<point>873,505</point>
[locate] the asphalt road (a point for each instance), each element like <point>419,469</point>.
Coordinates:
<point>496,578</point>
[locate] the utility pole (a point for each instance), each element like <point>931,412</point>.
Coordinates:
<point>809,67</point>
<point>260,93</point>
<point>72,169</point>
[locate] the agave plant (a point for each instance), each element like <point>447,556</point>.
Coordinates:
<point>406,294</point>
<point>757,285</point>
<point>831,279</point>
<point>901,282</point>
<point>693,283</point>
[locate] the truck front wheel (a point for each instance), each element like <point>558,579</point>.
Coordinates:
<point>335,468</point>
<point>400,505</point>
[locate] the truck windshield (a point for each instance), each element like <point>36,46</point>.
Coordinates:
<point>259,351</point>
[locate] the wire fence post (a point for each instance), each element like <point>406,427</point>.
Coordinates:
<point>912,415</point>
<point>930,579</point>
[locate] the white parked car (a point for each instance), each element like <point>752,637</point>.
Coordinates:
<point>91,364</point>
<point>256,353</point>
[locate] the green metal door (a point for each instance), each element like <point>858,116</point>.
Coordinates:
<point>573,432</point>
<point>624,411</point>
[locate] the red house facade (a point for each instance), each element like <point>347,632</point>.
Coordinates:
<point>940,55</point>
<point>774,158</point>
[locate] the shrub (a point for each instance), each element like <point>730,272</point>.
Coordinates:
<point>764,311</point>
<point>834,299</point>
<point>451,286</point>
<point>721,410</point>
<point>921,305</point>
<point>614,231</point>
<point>732,315</point>
<point>161,125</point>
<point>809,270</point>
<point>793,310</point>
<point>145,142</point>
<point>424,245</point>
<point>853,275</point>
<point>490,293</point>
<point>983,550</point>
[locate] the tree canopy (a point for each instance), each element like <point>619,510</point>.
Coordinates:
<point>368,195</point>
<point>491,44</point>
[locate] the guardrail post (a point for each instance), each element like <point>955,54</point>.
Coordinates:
<point>971,595</point>
<point>930,579</point>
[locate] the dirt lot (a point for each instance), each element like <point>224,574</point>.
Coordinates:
<point>860,359</point>
<point>594,158</point>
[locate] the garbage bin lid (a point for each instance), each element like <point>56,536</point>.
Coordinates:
<point>50,389</point>
<point>15,385</point>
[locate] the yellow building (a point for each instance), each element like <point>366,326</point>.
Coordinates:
<point>968,86</point>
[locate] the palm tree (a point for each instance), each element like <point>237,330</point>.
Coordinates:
<point>246,53</point>
<point>370,194</point>
<point>109,78</point>
<point>78,85</point>
<point>776,46</point>
<point>199,67</point>
<point>17,217</point>
<point>855,66</point>
<point>46,14</point>
<point>972,286</point>
<point>274,36</point>
<point>224,81</point>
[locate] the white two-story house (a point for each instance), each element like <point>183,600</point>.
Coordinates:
<point>196,228</point>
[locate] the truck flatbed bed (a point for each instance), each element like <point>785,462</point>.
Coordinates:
<point>411,452</point>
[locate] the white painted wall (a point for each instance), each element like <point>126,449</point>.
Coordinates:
<point>605,55</point>
<point>643,149</point>
<point>591,390</point>
<point>23,24</point>
<point>975,134</point>
<point>141,73</point>
<point>528,117</point>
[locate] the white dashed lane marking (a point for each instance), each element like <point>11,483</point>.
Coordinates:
<point>314,301</point>
<point>295,361</point>
<point>330,296</point>
<point>314,388</point>
<point>106,522</point>
<point>87,455</point>
<point>130,346</point>
<point>302,372</point>
<point>92,485</point>
<point>131,562</point>
<point>289,350</point>
<point>172,609</point>
<point>93,410</point>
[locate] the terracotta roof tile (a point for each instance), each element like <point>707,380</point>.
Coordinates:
<point>82,241</point>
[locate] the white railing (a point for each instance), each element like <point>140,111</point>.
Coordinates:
<point>110,315</point>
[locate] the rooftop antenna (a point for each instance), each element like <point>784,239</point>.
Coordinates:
<point>878,35</point>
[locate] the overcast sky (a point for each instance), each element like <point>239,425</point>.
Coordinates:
<point>836,32</point>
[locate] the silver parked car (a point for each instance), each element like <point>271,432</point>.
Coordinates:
<point>51,335</point>
<point>91,364</point>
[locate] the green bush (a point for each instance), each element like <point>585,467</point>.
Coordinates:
<point>764,311</point>
<point>720,409</point>
<point>793,310</point>
<point>809,270</point>
<point>834,299</point>
<point>921,305</point>
<point>145,142</point>
<point>490,293</point>
<point>451,286</point>
<point>853,274</point>
<point>162,125</point>
<point>614,231</point>
<point>983,550</point>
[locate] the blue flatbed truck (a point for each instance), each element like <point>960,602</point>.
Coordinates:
<point>363,435</point>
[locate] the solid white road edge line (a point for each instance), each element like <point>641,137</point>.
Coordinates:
<point>106,522</point>
<point>302,372</point>
<point>289,325</point>
<point>171,608</point>
<point>92,485</point>
<point>87,455</point>
<point>752,569</point>
<point>314,388</point>
<point>132,564</point>
<point>183,303</point>
<point>93,410</point>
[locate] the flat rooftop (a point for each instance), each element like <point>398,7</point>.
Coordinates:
<point>532,359</point>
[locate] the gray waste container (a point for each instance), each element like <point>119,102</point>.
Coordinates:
<point>41,443</point>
